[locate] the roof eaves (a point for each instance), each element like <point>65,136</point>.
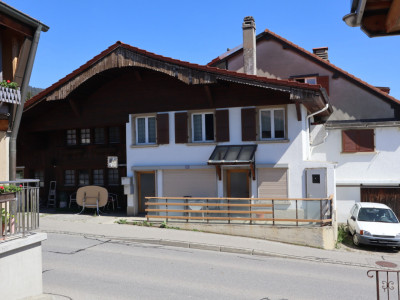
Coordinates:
<point>22,17</point>
<point>224,74</point>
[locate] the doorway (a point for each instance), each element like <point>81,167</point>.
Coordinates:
<point>146,188</point>
<point>237,185</point>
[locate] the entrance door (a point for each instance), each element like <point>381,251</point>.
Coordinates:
<point>146,188</point>
<point>238,183</point>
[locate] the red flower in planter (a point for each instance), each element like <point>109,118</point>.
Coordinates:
<point>8,81</point>
<point>1,187</point>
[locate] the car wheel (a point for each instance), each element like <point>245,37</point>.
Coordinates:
<point>356,242</point>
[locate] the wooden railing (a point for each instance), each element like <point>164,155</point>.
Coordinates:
<point>248,210</point>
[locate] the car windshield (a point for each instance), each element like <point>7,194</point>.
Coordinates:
<point>369,214</point>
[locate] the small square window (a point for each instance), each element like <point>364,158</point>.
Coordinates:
<point>98,177</point>
<point>69,177</point>
<point>99,136</point>
<point>85,136</point>
<point>113,177</point>
<point>83,178</point>
<point>39,175</point>
<point>71,137</point>
<point>202,127</point>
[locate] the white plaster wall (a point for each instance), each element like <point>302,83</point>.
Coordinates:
<point>371,168</point>
<point>275,62</point>
<point>292,152</point>
<point>381,166</point>
<point>4,154</point>
<point>347,196</point>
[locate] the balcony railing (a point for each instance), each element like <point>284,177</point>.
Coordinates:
<point>9,95</point>
<point>20,211</point>
<point>259,211</point>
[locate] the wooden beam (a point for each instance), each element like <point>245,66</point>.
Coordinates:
<point>219,172</point>
<point>22,60</point>
<point>209,95</point>
<point>393,17</point>
<point>377,5</point>
<point>15,25</point>
<point>298,111</point>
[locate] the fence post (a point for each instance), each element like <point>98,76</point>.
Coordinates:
<point>251,217</point>
<point>297,215</point>
<point>166,209</point>
<point>229,215</point>
<point>320,212</point>
<point>273,212</point>
<point>207,212</point>
<point>187,208</point>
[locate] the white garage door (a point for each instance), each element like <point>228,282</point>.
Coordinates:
<point>194,183</point>
<point>272,183</point>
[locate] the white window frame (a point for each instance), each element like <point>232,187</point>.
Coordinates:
<point>146,125</point>
<point>306,79</point>
<point>272,110</point>
<point>203,126</point>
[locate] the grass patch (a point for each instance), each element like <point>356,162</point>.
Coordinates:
<point>121,221</point>
<point>344,236</point>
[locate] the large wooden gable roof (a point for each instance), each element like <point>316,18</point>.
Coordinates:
<point>338,71</point>
<point>121,55</point>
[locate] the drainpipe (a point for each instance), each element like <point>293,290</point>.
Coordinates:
<point>308,124</point>
<point>20,108</point>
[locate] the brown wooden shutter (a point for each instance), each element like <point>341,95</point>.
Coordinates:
<point>324,82</point>
<point>222,124</point>
<point>181,128</point>
<point>349,141</point>
<point>366,140</point>
<point>249,124</point>
<point>162,129</point>
<point>355,140</point>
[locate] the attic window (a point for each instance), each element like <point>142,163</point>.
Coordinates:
<point>309,80</point>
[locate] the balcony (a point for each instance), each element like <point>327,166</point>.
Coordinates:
<point>9,95</point>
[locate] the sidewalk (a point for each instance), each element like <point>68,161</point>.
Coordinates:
<point>105,227</point>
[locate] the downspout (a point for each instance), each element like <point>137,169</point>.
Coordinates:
<point>308,125</point>
<point>20,108</point>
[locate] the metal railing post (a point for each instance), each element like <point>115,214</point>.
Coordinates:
<point>273,212</point>
<point>229,215</point>
<point>297,215</point>
<point>320,212</point>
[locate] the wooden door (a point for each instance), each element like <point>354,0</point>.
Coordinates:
<point>146,188</point>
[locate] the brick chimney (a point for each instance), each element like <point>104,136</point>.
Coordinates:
<point>321,52</point>
<point>249,46</point>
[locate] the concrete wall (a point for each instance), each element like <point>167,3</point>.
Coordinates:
<point>4,154</point>
<point>319,237</point>
<point>21,267</point>
<point>349,101</point>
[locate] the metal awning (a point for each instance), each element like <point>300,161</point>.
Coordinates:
<point>233,155</point>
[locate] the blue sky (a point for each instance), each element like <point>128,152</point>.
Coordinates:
<point>198,31</point>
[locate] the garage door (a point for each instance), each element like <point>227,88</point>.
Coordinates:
<point>272,183</point>
<point>194,183</point>
<point>385,195</point>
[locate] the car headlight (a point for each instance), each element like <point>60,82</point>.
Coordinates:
<point>365,232</point>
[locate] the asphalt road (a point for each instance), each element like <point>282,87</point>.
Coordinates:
<point>84,267</point>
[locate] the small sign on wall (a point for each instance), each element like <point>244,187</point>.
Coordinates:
<point>112,162</point>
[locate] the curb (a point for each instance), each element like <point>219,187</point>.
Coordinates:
<point>218,248</point>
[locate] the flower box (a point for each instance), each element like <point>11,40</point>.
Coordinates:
<point>7,197</point>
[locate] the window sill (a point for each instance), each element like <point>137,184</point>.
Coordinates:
<point>272,141</point>
<point>144,145</point>
<point>361,152</point>
<point>201,144</point>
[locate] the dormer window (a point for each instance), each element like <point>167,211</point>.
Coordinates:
<point>309,80</point>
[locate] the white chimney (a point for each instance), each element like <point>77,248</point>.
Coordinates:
<point>249,46</point>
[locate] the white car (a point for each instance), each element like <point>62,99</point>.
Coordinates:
<point>374,224</point>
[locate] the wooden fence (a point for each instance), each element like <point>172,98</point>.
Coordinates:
<point>245,210</point>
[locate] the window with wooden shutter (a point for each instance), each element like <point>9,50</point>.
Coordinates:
<point>222,122</point>
<point>358,140</point>
<point>249,124</point>
<point>324,82</point>
<point>162,129</point>
<point>181,128</point>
